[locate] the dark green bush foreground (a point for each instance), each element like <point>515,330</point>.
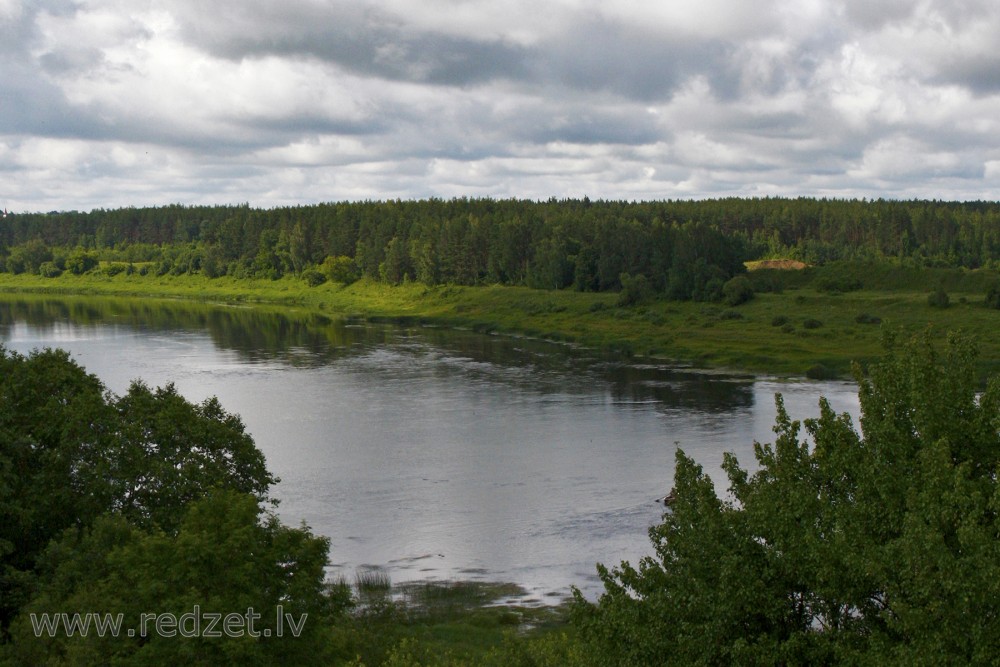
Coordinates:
<point>878,547</point>
<point>871,547</point>
<point>134,504</point>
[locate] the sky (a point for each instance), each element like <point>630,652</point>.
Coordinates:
<point>111,103</point>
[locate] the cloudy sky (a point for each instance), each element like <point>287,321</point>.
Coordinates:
<point>107,103</point>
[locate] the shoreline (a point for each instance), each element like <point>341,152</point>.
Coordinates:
<point>744,339</point>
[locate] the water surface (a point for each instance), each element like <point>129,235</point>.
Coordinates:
<point>435,454</point>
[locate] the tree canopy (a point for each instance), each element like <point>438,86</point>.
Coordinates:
<point>875,547</point>
<point>139,503</point>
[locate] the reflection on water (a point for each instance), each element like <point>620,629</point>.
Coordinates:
<point>434,453</point>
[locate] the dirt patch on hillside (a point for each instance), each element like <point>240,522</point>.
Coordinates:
<point>785,264</point>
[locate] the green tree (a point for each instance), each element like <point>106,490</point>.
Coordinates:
<point>737,290</point>
<point>878,547</point>
<point>80,261</point>
<point>340,269</point>
<point>70,451</point>
<point>27,258</point>
<point>225,557</point>
<point>396,265</point>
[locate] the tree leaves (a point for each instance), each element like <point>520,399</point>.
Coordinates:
<point>879,546</point>
<point>70,452</point>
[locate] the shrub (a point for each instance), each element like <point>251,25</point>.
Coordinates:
<point>737,291</point>
<point>80,261</point>
<point>938,299</point>
<point>812,324</point>
<point>49,270</point>
<point>779,320</point>
<point>313,277</point>
<point>731,315</point>
<point>838,284</point>
<point>635,289</point>
<point>788,328</point>
<point>865,318</point>
<point>341,269</point>
<point>993,296</point>
<point>820,372</point>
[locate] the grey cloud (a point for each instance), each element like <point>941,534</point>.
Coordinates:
<point>583,126</point>
<point>359,40</point>
<point>589,53</point>
<point>962,14</point>
<point>980,74</point>
<point>316,124</point>
<point>75,60</point>
<point>872,15</point>
<point>636,63</point>
<point>29,106</point>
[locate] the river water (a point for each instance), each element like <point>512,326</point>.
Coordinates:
<point>435,454</point>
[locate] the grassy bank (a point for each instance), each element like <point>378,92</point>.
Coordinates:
<point>450,623</point>
<point>795,331</point>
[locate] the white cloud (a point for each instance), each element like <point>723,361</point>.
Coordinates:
<point>111,102</point>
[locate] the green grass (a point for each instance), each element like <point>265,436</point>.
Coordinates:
<point>372,582</point>
<point>447,623</point>
<point>694,333</point>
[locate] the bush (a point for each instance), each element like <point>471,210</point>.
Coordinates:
<point>938,299</point>
<point>788,328</point>
<point>865,318</point>
<point>737,291</point>
<point>313,277</point>
<point>635,290</point>
<point>49,270</point>
<point>838,284</point>
<point>779,320</point>
<point>812,324</point>
<point>820,372</point>
<point>340,269</point>
<point>80,261</point>
<point>993,296</point>
<point>731,315</point>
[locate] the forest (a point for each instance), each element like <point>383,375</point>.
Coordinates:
<point>680,249</point>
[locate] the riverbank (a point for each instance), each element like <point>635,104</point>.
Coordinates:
<point>450,623</point>
<point>798,331</point>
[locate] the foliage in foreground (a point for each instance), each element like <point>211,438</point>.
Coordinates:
<point>878,547</point>
<point>140,504</point>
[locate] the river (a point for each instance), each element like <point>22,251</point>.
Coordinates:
<point>430,453</point>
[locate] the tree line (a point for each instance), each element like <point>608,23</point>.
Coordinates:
<point>682,249</point>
